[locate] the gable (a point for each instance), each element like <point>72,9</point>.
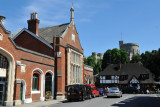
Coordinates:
<point>71,38</point>
<point>26,40</point>
<point>134,80</point>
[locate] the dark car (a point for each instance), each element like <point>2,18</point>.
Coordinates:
<point>102,91</point>
<point>77,92</point>
<point>130,90</point>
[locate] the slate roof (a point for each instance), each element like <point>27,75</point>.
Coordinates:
<point>128,69</point>
<point>53,31</point>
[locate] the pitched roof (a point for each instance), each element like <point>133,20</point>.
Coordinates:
<point>53,31</point>
<point>34,35</point>
<point>127,69</point>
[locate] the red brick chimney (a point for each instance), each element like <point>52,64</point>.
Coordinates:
<point>33,23</point>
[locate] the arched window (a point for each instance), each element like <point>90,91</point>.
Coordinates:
<point>3,62</point>
<point>35,86</point>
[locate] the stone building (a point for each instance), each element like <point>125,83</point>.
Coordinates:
<point>97,56</point>
<point>131,48</point>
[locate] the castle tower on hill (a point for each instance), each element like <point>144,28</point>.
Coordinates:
<point>97,56</point>
<point>131,48</point>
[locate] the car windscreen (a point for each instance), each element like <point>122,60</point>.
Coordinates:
<point>113,89</point>
<point>74,88</point>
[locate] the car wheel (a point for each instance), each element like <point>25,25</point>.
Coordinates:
<point>69,100</point>
<point>94,95</point>
<point>83,98</point>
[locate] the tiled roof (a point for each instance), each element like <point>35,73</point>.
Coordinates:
<point>128,69</point>
<point>53,31</point>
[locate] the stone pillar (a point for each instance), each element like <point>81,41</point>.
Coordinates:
<point>17,100</point>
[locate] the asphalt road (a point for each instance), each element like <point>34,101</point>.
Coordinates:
<point>128,100</point>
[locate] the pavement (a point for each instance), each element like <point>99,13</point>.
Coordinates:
<point>41,103</point>
<point>51,103</point>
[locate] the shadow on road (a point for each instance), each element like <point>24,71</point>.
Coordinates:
<point>139,101</point>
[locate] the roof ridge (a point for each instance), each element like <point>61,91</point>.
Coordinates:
<point>54,25</point>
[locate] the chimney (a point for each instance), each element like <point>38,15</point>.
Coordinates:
<point>72,14</point>
<point>119,65</point>
<point>33,23</point>
<point>2,18</point>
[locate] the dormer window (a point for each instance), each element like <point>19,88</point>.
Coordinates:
<point>1,36</point>
<point>73,37</point>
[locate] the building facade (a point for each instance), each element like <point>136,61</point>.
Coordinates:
<point>131,48</point>
<point>68,54</point>
<point>37,62</point>
<point>88,76</point>
<point>126,75</point>
<point>24,67</point>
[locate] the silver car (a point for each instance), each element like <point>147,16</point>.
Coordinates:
<point>114,92</point>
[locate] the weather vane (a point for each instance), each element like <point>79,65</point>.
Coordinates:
<point>72,4</point>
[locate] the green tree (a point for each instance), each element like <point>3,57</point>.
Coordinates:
<point>98,67</point>
<point>151,60</point>
<point>136,59</point>
<point>91,61</point>
<point>114,56</point>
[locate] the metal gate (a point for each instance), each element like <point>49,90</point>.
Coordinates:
<point>2,92</point>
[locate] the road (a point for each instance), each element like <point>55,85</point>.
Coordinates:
<point>128,100</point>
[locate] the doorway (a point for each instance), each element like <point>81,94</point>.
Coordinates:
<point>2,91</point>
<point>48,86</point>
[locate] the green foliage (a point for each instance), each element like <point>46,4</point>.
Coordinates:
<point>136,59</point>
<point>97,69</point>
<point>151,60</point>
<point>114,56</point>
<point>91,61</point>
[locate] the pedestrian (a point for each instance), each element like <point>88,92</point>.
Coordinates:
<point>147,91</point>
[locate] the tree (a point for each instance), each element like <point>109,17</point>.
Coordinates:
<point>136,59</point>
<point>98,67</point>
<point>114,56</point>
<point>91,61</point>
<point>151,60</point>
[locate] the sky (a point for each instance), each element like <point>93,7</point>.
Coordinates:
<point>99,22</point>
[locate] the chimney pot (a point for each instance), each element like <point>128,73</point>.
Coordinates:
<point>2,18</point>
<point>33,23</point>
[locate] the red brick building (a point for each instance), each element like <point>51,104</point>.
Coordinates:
<point>68,54</point>
<point>24,67</point>
<point>39,60</point>
<point>88,76</point>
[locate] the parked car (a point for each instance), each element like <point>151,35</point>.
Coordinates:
<point>95,92</point>
<point>114,92</point>
<point>78,92</point>
<point>102,91</point>
<point>130,90</point>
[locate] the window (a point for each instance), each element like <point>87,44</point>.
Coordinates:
<point>144,76</point>
<point>108,77</point>
<point>35,86</point>
<point>75,67</point>
<point>73,37</point>
<point>3,62</point>
<point>123,77</point>
<point>1,36</point>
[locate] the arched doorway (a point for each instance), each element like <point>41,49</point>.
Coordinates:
<point>49,85</point>
<point>3,75</point>
<point>10,77</point>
